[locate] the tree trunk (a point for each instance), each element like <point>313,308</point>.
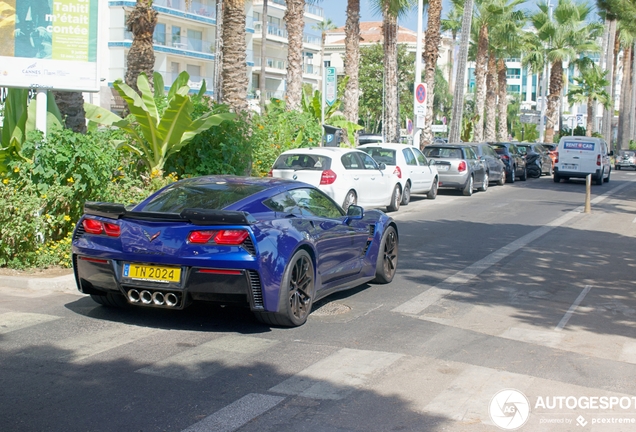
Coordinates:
<point>352,62</point>
<point>71,106</point>
<point>624,103</point>
<point>295,23</point>
<point>632,112</point>
<point>262,85</point>
<point>480,83</point>
<point>431,52</point>
<point>491,99</point>
<point>141,56</point>
<point>608,113</point>
<point>556,85</point>
<point>390,124</point>
<point>502,102</point>
<point>234,70</point>
<point>590,117</point>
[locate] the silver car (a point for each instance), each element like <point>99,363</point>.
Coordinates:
<point>626,159</point>
<point>458,167</point>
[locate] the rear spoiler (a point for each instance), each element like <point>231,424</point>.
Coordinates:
<point>194,216</point>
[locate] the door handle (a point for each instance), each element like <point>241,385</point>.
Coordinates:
<point>356,178</point>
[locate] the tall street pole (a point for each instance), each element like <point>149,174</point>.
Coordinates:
<point>460,77</point>
<point>418,68</point>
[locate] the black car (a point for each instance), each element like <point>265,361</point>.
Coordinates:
<point>512,157</point>
<point>494,165</point>
<point>538,153</point>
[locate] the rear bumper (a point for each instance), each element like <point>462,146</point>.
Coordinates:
<point>575,174</point>
<point>103,276</point>
<point>453,181</point>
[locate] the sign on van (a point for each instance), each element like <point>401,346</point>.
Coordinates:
<point>578,146</point>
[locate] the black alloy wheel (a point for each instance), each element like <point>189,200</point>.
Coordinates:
<point>387,257</point>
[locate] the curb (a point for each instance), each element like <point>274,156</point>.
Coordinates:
<point>59,284</point>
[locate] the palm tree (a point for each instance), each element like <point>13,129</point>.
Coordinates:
<point>234,70</point>
<point>625,107</point>
<point>141,56</point>
<point>71,106</point>
<point>431,52</point>
<point>458,98</point>
<point>566,36</point>
<point>589,88</point>
<point>608,10</point>
<point>262,83</point>
<point>323,27</point>
<point>352,62</point>
<point>453,24</point>
<point>491,98</point>
<point>295,23</point>
<point>391,10</point>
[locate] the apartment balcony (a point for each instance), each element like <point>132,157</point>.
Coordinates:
<point>280,32</point>
<point>309,9</point>
<point>166,42</point>
<point>201,8</point>
<point>275,63</point>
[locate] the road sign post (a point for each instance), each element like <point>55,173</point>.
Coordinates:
<point>331,86</point>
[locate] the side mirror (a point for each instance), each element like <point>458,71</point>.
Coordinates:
<point>431,162</point>
<point>354,212</point>
<point>611,153</point>
<point>382,166</point>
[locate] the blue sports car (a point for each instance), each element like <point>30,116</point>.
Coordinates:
<point>277,245</point>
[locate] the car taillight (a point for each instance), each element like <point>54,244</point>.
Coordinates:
<point>462,166</point>
<point>327,177</point>
<point>230,237</point>
<point>93,226</point>
<point>270,173</point>
<point>598,160</point>
<point>398,172</point>
<point>505,157</point>
<point>201,237</point>
<point>556,157</point>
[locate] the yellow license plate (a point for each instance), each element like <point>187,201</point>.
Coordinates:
<point>152,273</point>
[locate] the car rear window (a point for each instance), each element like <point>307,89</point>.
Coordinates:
<point>443,152</point>
<point>303,161</point>
<point>499,149</point>
<point>381,155</point>
<point>198,194</point>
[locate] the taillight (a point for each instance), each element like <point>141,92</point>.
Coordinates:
<point>398,172</point>
<point>598,160</point>
<point>93,226</point>
<point>462,166</point>
<point>270,173</point>
<point>327,177</point>
<point>505,157</point>
<point>556,157</point>
<point>230,237</point>
<point>201,237</point>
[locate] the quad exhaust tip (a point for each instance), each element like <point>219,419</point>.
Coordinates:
<point>156,298</point>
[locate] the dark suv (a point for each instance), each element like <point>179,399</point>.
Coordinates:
<point>512,157</point>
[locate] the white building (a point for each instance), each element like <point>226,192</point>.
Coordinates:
<point>185,39</point>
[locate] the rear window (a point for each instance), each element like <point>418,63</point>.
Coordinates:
<point>499,149</point>
<point>198,194</point>
<point>381,155</point>
<point>303,161</point>
<point>443,152</point>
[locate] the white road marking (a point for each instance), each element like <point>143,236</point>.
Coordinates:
<point>207,359</point>
<point>634,221</point>
<point>12,321</point>
<point>570,311</point>
<point>236,414</point>
<point>420,302</point>
<point>336,376</point>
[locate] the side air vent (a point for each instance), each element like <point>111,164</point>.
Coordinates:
<point>249,246</point>
<point>257,291</point>
<point>369,239</point>
<point>79,232</point>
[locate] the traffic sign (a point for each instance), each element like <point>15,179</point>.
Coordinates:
<point>331,86</point>
<point>420,93</point>
<point>439,128</point>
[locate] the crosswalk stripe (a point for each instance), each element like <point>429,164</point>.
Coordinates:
<point>236,414</point>
<point>12,321</point>
<point>337,375</point>
<point>208,358</point>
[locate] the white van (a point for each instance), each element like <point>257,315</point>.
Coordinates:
<point>579,156</point>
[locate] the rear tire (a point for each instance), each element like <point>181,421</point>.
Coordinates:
<point>386,263</point>
<point>556,178</point>
<point>296,295</point>
<point>406,195</point>
<point>502,179</point>
<point>468,188</point>
<point>432,194</point>
<point>115,300</point>
<point>396,198</point>
<point>524,176</point>
<point>608,176</point>
<point>599,181</point>
<point>484,184</point>
<point>510,178</point>
<point>350,199</point>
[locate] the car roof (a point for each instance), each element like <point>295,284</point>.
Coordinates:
<point>385,145</point>
<point>453,145</point>
<point>325,151</point>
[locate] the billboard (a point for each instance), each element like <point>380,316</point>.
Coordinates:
<point>49,44</point>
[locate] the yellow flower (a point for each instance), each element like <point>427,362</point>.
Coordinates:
<point>70,180</point>
<point>5,181</point>
<point>67,218</point>
<point>16,169</point>
<point>43,196</point>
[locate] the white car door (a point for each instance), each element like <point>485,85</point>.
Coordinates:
<point>428,173</point>
<point>379,184</point>
<point>413,170</point>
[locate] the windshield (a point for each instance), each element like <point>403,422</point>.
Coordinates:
<point>381,155</point>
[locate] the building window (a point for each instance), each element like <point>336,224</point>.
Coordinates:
<point>195,40</point>
<point>160,34</point>
<point>176,36</point>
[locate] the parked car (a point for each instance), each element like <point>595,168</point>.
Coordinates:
<point>494,165</point>
<point>515,163</point>
<point>625,159</point>
<point>369,138</point>
<point>414,172</point>
<point>544,161</point>
<point>552,151</point>
<point>275,245</point>
<point>349,176</point>
<point>458,167</point>
<point>579,156</point>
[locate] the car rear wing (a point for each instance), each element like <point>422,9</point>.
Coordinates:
<point>192,215</point>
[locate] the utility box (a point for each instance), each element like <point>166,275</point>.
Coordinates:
<point>332,136</point>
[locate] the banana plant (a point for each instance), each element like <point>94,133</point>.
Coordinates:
<point>156,136</point>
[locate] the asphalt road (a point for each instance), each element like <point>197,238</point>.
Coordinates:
<point>512,288</point>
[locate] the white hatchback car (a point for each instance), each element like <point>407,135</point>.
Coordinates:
<point>414,171</point>
<point>349,176</point>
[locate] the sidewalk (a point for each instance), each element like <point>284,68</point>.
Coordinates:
<point>64,283</point>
